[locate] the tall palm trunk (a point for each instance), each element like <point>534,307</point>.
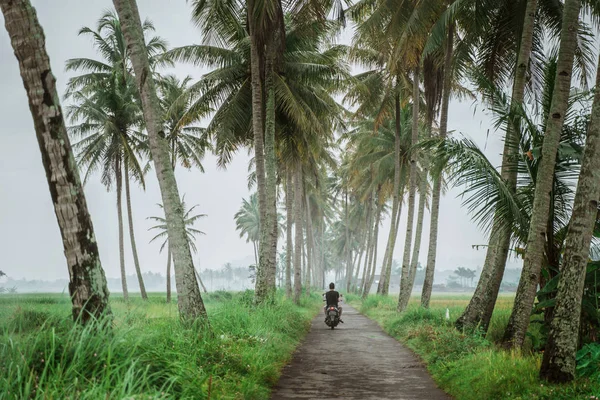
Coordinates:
<point>169,256</point>
<point>310,238</point>
<point>369,247</point>
<point>419,229</point>
<point>405,285</point>
<point>289,201</point>
<point>373,261</point>
<point>119,179</point>
<point>384,279</point>
<point>365,274</point>
<point>558,364</point>
<point>87,282</point>
<point>437,183</point>
<point>136,261</point>
<point>265,281</point>
<point>298,234</point>
<point>538,229</point>
<point>189,299</point>
<point>480,308</point>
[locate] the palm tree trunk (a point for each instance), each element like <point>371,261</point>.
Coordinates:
<point>419,232</point>
<point>404,295</point>
<point>369,247</point>
<point>480,308</point>
<point>189,299</point>
<point>437,182</point>
<point>265,282</point>
<point>310,238</point>
<point>558,364</point>
<point>298,235</point>
<point>200,281</point>
<point>373,261</point>
<point>289,201</point>
<point>87,282</point>
<point>119,179</point>
<point>384,279</point>
<point>136,261</point>
<point>255,253</point>
<point>538,229</point>
<point>169,256</point>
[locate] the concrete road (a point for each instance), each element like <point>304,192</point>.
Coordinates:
<point>357,360</point>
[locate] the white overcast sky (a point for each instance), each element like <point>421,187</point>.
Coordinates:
<point>30,245</point>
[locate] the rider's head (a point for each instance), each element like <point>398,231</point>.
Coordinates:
<point>332,286</point>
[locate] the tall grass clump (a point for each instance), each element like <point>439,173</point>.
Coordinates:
<point>146,353</point>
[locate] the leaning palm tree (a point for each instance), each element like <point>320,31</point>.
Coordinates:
<point>191,233</point>
<point>106,109</point>
<point>87,285</point>
<point>189,302</point>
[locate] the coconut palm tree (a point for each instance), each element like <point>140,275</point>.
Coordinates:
<point>110,143</point>
<point>511,47</point>
<point>558,364</point>
<point>247,221</point>
<point>189,302</point>
<point>187,141</point>
<point>190,220</point>
<point>87,286</point>
<point>534,256</point>
<point>107,117</point>
<point>304,104</point>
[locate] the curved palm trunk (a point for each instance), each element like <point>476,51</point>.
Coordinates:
<point>169,256</point>
<point>289,201</point>
<point>558,364</point>
<point>136,261</point>
<point>119,179</point>
<point>538,229</point>
<point>480,308</point>
<point>189,299</point>
<point>298,234</point>
<point>405,285</point>
<point>87,282</point>
<point>437,183</point>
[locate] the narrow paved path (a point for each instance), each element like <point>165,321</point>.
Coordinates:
<point>357,360</point>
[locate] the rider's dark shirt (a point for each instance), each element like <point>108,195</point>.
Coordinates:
<point>332,298</point>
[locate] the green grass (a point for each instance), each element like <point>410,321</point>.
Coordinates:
<point>469,366</point>
<point>148,353</point>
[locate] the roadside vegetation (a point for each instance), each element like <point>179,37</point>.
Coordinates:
<point>149,353</point>
<point>471,365</point>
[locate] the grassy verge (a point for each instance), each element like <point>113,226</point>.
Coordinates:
<point>147,354</point>
<point>469,366</point>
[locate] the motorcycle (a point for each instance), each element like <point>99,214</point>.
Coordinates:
<point>333,317</point>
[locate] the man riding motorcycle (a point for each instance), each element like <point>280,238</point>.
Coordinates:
<point>333,298</point>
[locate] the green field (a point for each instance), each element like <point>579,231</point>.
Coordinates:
<point>147,353</point>
<point>469,366</point>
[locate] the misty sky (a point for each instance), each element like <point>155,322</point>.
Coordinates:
<point>30,245</point>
